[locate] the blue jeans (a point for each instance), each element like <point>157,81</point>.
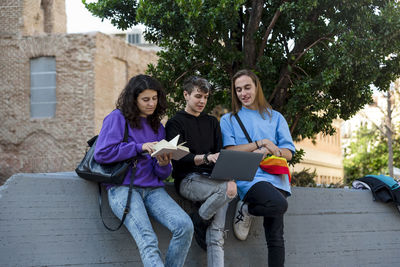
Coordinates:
<point>154,202</point>
<point>212,194</point>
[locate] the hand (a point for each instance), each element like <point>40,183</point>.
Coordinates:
<point>231,189</point>
<point>271,147</point>
<point>149,147</point>
<point>212,158</point>
<point>164,159</point>
<point>261,150</point>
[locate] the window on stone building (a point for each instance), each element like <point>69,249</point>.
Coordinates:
<point>43,87</point>
<point>133,38</point>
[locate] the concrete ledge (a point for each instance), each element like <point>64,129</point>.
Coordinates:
<point>53,220</point>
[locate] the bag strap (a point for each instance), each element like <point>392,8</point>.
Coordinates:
<point>243,128</point>
<point>128,200</point>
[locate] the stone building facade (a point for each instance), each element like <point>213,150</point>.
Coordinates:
<point>90,71</point>
<point>325,156</point>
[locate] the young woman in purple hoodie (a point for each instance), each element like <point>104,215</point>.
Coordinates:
<point>142,104</point>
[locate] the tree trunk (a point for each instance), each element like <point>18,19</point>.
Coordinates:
<point>250,46</point>
<point>389,132</point>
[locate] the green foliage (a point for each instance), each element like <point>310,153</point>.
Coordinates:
<point>304,178</point>
<point>297,157</point>
<point>316,64</point>
<point>122,13</point>
<point>368,154</point>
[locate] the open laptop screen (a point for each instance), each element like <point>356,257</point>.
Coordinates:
<point>236,165</point>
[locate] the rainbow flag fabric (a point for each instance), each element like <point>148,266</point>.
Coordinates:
<point>275,165</point>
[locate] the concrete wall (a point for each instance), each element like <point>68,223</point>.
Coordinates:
<point>53,220</point>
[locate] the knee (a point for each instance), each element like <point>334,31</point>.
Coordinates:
<point>183,227</point>
<point>231,189</point>
<point>281,205</point>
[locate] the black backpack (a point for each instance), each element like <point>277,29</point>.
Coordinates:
<point>384,188</point>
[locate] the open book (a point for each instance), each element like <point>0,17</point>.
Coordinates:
<point>178,151</point>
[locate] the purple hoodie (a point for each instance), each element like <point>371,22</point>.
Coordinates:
<point>110,148</point>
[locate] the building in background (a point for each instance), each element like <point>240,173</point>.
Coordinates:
<point>375,115</point>
<point>135,37</point>
<point>324,156</point>
<point>55,87</point>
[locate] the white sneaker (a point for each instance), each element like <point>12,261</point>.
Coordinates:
<point>241,221</point>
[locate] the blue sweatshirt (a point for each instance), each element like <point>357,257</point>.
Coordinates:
<point>110,148</point>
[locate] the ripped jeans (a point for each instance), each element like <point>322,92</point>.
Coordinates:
<point>198,187</point>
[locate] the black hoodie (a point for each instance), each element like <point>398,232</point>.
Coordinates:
<point>202,135</point>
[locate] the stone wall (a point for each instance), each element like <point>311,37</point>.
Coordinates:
<point>91,70</point>
<point>116,62</point>
<point>10,18</point>
<point>43,16</point>
<point>48,144</point>
<point>85,80</point>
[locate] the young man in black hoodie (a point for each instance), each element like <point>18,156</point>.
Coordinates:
<point>202,135</point>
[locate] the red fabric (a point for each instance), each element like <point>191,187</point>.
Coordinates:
<point>275,165</point>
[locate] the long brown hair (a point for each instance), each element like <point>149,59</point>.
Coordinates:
<point>127,101</point>
<point>261,103</point>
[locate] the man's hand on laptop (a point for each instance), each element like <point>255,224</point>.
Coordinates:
<point>212,158</point>
<point>262,150</point>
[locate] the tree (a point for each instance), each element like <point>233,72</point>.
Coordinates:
<point>393,94</point>
<point>368,154</point>
<point>390,113</point>
<point>316,59</point>
<point>304,178</point>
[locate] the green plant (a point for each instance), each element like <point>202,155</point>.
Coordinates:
<point>304,178</point>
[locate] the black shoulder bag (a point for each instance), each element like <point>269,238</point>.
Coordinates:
<point>113,173</point>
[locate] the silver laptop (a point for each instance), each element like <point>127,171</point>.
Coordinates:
<point>236,165</point>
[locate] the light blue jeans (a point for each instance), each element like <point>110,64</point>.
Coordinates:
<point>154,202</point>
<point>212,193</point>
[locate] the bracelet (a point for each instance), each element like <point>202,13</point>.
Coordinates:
<point>205,159</point>
<point>258,147</point>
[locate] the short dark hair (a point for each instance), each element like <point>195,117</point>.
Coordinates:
<point>194,81</point>
<point>127,101</point>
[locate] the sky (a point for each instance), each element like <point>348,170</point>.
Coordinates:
<point>80,20</point>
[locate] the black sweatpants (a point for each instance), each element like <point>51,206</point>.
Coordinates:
<point>265,200</point>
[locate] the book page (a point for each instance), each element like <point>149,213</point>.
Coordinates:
<point>178,151</point>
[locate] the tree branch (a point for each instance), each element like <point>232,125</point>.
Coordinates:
<point>296,121</point>
<point>298,67</point>
<point>379,128</point>
<point>286,46</point>
<point>268,31</point>
<point>308,48</point>
<point>183,74</point>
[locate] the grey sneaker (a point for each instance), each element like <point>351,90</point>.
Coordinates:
<point>241,222</point>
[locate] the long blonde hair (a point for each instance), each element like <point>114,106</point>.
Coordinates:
<point>261,103</point>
